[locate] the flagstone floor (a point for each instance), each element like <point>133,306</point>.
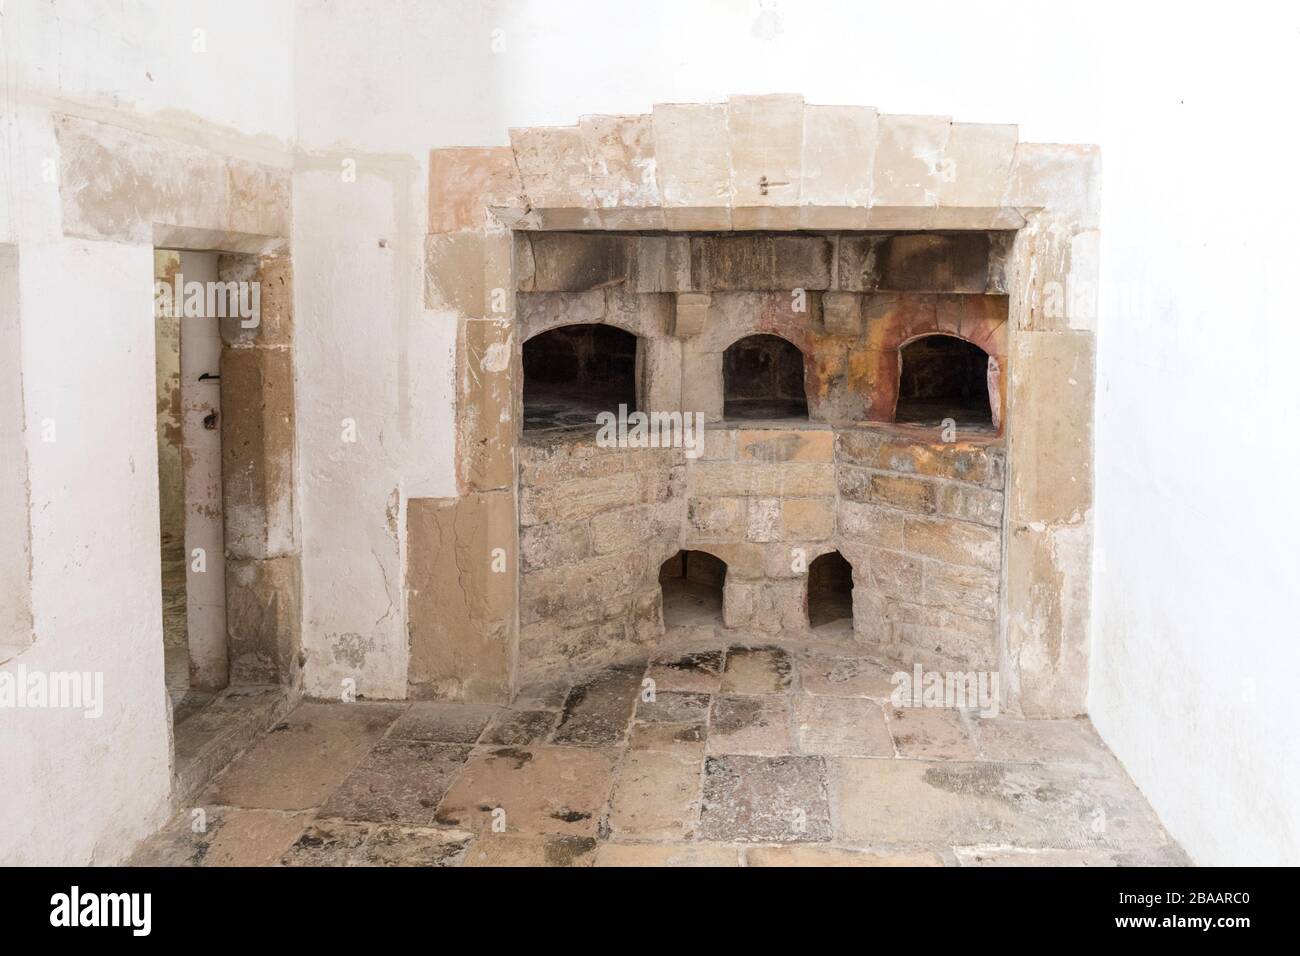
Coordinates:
<point>744,754</point>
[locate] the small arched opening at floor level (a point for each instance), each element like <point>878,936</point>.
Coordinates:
<point>692,582</point>
<point>830,591</point>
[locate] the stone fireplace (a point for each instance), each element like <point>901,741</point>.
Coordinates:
<point>876,318</point>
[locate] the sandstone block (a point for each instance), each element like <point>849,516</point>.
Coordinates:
<point>876,525</point>
<point>263,619</point>
<point>842,313</point>
<point>553,545</point>
<point>274,278</point>
<point>625,529</point>
<point>955,542</point>
<point>766,160</point>
<point>702,383</point>
<point>763,519</point>
<point>967,503</point>
<point>839,145</point>
<point>893,573</point>
<point>1065,180</point>
<point>1052,398</point>
<point>932,262</point>
<point>773,445</point>
<point>486,439</point>
<point>719,444</point>
<point>577,499</point>
<point>776,480</point>
<point>464,182</point>
<point>908,171</point>
<point>662,264</point>
<point>960,461</point>
<point>966,590</point>
<point>257,451</point>
<point>460,595</point>
<point>977,164</point>
<point>1049,581</point>
<point>693,158</point>
<point>553,167</point>
<point>858,262</point>
<point>857,447</point>
<point>621,150</point>
<point>807,519</point>
<point>909,494</point>
<point>582,592</point>
<point>579,262</point>
<point>692,311</point>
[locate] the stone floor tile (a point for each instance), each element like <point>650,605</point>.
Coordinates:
<point>656,797</point>
<point>757,724</point>
<point>399,781</point>
<point>765,800</point>
<point>542,790</point>
<point>1041,741</point>
<point>845,677</point>
<point>836,856</point>
<point>503,849</point>
<point>666,854</point>
<point>597,712</point>
<point>519,728</point>
<point>685,740</point>
<point>698,671</point>
<point>328,843</point>
<point>848,726</point>
<point>344,843</point>
<point>442,721</point>
<point>550,695</point>
<point>756,670</point>
<point>938,732</point>
<point>304,758</point>
<point>228,836</point>
<point>964,803</point>
<point>675,707</point>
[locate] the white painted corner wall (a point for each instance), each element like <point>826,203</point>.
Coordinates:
<point>74,789</point>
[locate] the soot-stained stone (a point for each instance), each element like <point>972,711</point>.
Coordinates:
<point>597,712</point>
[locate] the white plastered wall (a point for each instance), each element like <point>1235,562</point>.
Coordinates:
<point>78,790</point>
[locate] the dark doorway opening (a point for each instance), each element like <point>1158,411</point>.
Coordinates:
<point>692,583</point>
<point>573,373</point>
<point>762,378</point>
<point>943,377</point>
<point>830,590</point>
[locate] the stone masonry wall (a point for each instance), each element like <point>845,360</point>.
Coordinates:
<point>595,525</point>
<point>919,521</point>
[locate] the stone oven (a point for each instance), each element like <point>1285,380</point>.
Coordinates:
<point>794,347</point>
<point>872,315</point>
